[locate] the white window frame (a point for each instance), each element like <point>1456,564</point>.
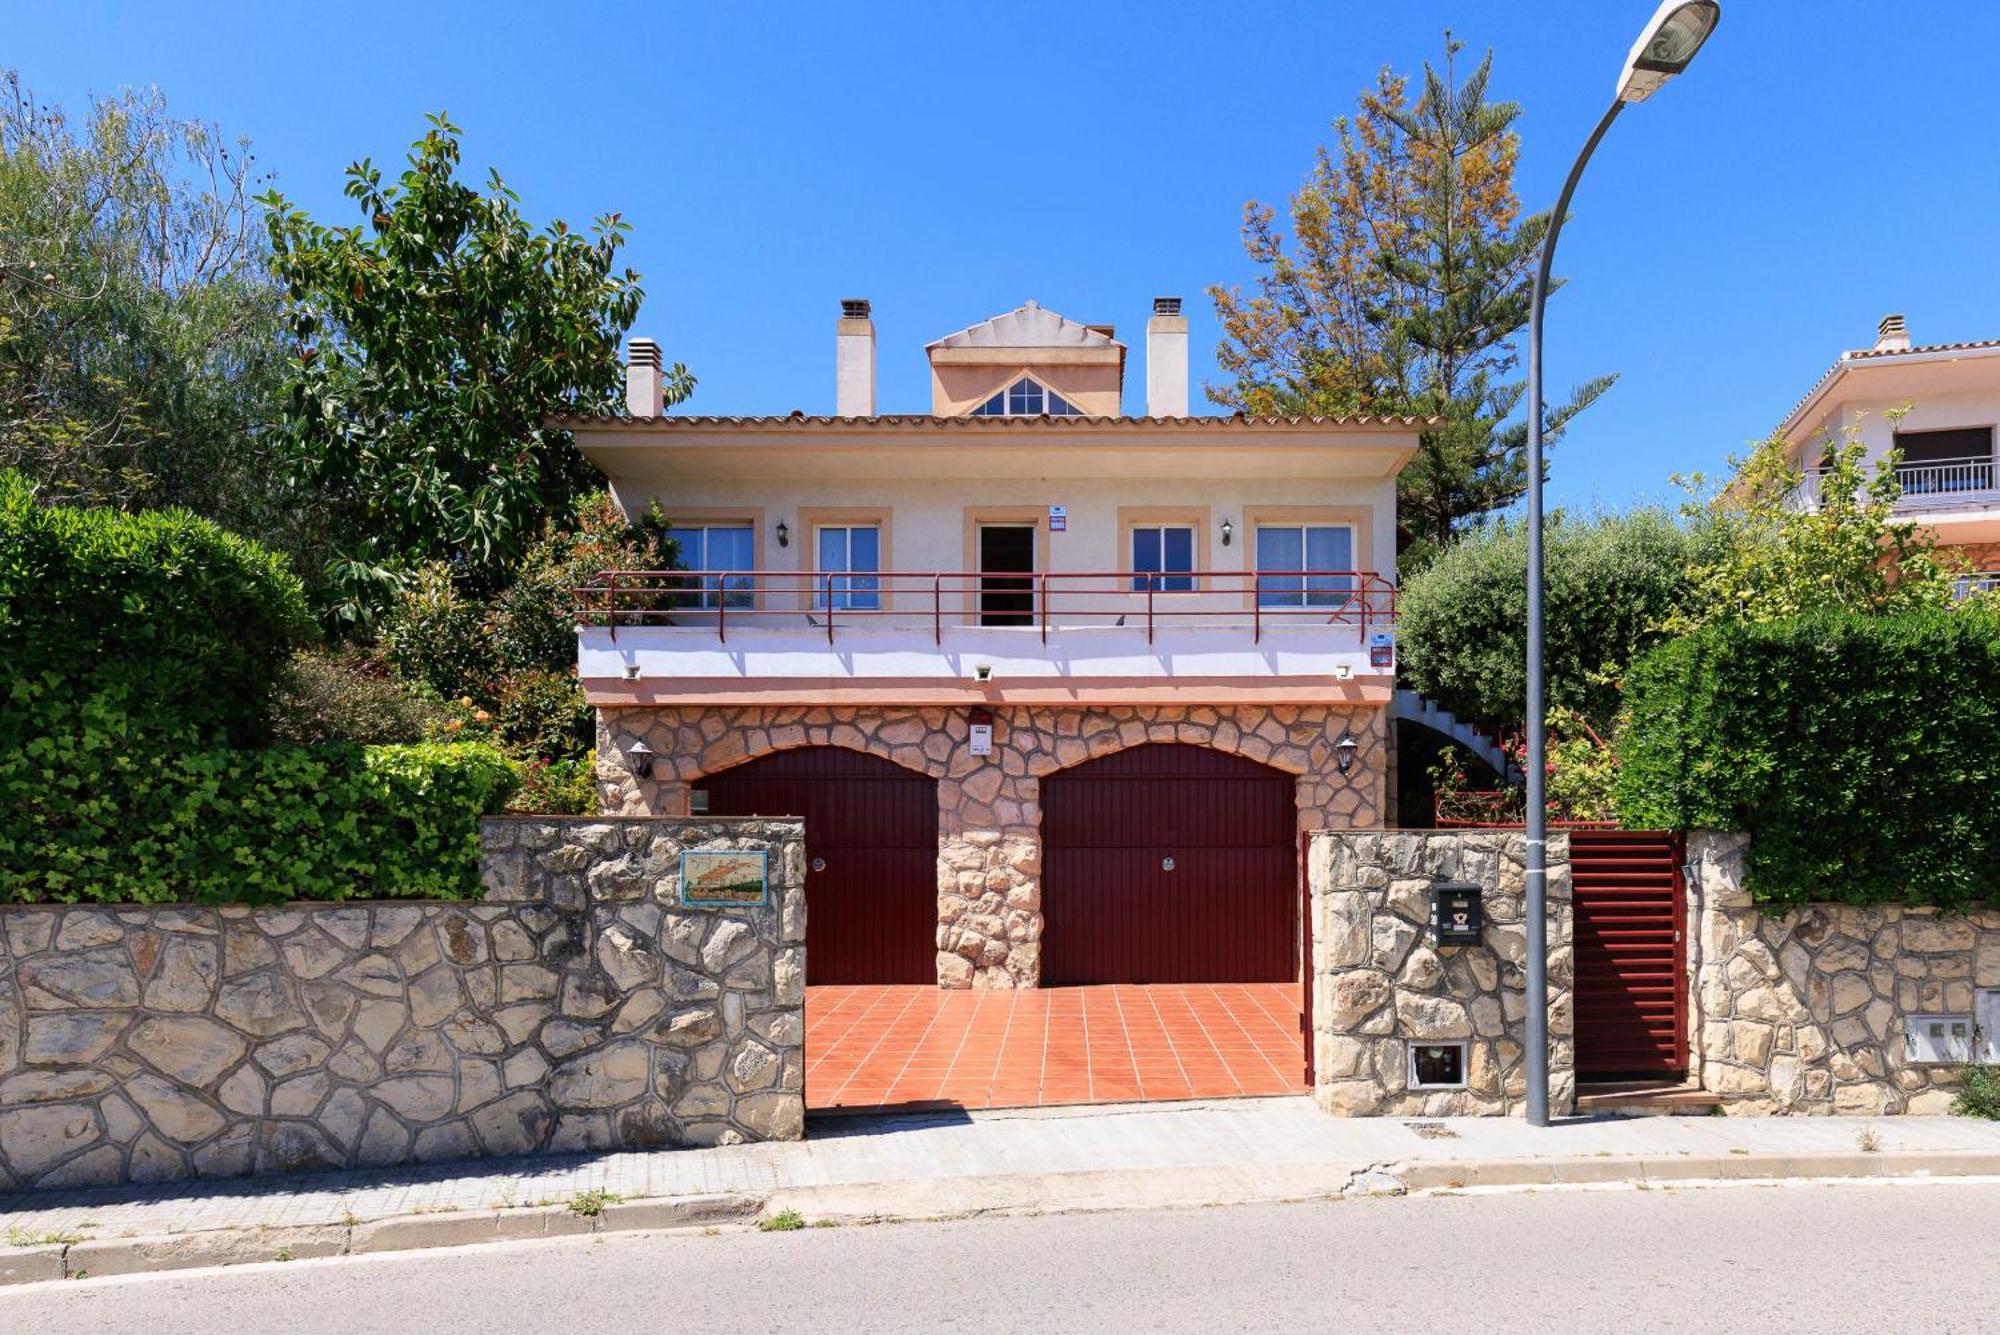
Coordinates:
<point>1005,398</point>
<point>710,595</point>
<point>1307,594</point>
<point>1183,580</point>
<point>848,596</point>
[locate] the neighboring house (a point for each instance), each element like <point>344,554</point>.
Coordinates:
<point>1056,689</point>
<point>1952,391</point>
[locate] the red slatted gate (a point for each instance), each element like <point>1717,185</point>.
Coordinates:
<point>1631,953</point>
<point>871,857</point>
<point>1169,864</point>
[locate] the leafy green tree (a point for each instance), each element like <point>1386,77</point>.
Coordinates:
<point>1782,545</point>
<point>140,333</point>
<point>1402,288</point>
<point>1612,584</point>
<point>433,341</point>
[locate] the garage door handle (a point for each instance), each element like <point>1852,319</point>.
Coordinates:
<point>819,864</point>
<point>1167,862</point>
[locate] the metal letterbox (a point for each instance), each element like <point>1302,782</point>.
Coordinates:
<point>1458,915</point>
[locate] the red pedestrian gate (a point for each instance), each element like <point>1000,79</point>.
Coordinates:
<point>1631,954</point>
<point>871,856</point>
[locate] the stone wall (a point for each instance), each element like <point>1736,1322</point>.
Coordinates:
<point>1380,983</point>
<point>1804,1011</point>
<point>578,1007</point>
<point>989,807</point>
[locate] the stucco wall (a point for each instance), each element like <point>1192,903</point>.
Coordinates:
<point>989,807</point>
<point>1381,982</point>
<point>927,519</point>
<point>1804,1011</point>
<point>577,1007</point>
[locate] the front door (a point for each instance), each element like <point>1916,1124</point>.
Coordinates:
<point>1006,567</point>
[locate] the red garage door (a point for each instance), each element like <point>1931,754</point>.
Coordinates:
<point>1169,864</point>
<point>871,857</point>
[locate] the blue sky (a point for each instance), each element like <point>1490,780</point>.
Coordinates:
<point>1826,161</point>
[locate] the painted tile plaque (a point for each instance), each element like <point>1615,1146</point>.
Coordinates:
<point>712,878</point>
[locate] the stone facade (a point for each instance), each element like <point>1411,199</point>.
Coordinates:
<point>1381,984</point>
<point>578,1007</point>
<point>1804,1011</point>
<point>989,808</point>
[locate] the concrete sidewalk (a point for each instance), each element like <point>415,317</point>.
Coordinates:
<point>1111,1157</point>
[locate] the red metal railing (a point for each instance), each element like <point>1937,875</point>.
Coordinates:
<point>1360,598</point>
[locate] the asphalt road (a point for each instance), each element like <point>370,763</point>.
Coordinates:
<point>1762,1259</point>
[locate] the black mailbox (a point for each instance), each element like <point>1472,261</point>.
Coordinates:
<point>1458,916</point>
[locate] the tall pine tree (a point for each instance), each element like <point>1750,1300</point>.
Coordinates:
<point>1402,289</point>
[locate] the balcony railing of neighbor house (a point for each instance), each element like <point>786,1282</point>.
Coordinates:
<point>1942,481</point>
<point>1965,586</point>
<point>1043,600</point>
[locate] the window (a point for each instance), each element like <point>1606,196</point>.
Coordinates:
<point>852,553</point>
<point>1162,557</point>
<point>1956,460</point>
<point>1437,1066</point>
<point>1027,398</point>
<point>1293,550</point>
<point>729,551</point>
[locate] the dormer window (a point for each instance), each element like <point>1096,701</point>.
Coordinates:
<point>1027,397</point>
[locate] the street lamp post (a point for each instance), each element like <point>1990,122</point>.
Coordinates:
<point>1666,46</point>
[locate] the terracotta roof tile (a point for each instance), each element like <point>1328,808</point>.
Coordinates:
<point>928,421</point>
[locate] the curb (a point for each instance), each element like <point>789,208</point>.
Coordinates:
<point>1432,1175</point>
<point>958,1198</point>
<point>100,1257</point>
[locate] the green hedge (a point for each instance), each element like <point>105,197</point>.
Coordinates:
<point>84,818</point>
<point>1860,754</point>
<point>188,627</point>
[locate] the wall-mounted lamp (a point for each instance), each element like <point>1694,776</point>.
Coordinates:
<point>784,534</point>
<point>1343,752</point>
<point>1228,532</point>
<point>641,758</point>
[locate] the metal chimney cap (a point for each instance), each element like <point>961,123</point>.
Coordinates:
<point>1166,305</point>
<point>643,352</point>
<point>854,308</point>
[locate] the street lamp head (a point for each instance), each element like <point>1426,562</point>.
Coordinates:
<point>1675,32</point>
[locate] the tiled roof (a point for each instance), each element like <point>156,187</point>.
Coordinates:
<point>931,421</point>
<point>1876,354</point>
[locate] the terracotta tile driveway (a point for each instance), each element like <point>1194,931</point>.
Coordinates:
<point>869,1048</point>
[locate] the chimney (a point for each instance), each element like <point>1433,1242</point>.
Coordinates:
<point>854,360</point>
<point>645,387</point>
<point>1892,335</point>
<point>1167,360</point>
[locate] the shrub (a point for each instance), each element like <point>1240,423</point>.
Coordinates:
<point>556,788</point>
<point>1610,583</point>
<point>85,817</point>
<point>1978,1093</point>
<point>347,698</point>
<point>186,626</point>
<point>1860,753</point>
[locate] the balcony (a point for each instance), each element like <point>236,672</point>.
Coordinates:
<point>955,636</point>
<point>1928,487</point>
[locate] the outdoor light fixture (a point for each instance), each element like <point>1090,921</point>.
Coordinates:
<point>1343,752</point>
<point>1665,46</point>
<point>641,757</point>
<point>1678,29</point>
<point>784,535</point>
<point>1228,532</point>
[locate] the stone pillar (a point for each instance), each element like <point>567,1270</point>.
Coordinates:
<point>1381,983</point>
